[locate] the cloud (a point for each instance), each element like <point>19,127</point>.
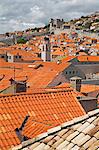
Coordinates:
<point>22,14</point>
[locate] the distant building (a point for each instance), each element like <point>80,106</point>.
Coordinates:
<point>66,26</point>
<point>89,65</point>
<point>56,24</point>
<point>3,55</point>
<point>14,57</point>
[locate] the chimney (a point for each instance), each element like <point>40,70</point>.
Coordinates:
<point>76,83</point>
<point>18,86</point>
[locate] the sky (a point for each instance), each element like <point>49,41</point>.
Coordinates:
<point>22,14</point>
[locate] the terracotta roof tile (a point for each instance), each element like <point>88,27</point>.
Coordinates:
<point>46,109</point>
<point>86,88</point>
<point>68,137</point>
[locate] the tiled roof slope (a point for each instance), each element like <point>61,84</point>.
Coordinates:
<point>46,109</point>
<point>82,58</point>
<point>88,58</point>
<point>39,74</point>
<point>86,88</point>
<point>81,133</point>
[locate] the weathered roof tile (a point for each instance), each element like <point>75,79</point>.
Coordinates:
<point>67,123</point>
<point>76,126</point>
<point>62,132</point>
<point>69,146</point>
<point>62,145</point>
<point>47,147</point>
<point>83,140</point>
<point>89,128</point>
<point>81,118</point>
<point>79,137</point>
<point>91,119</point>
<point>89,143</point>
<point>93,112</point>
<point>96,121</point>
<point>48,139</point>
<point>40,147</point>
<point>75,148</point>
<point>67,134</point>
<point>34,145</point>
<point>93,131</point>
<point>43,135</point>
<point>97,135</point>
<point>57,143</point>
<point>94,146</point>
<point>85,125</point>
<point>73,135</point>
<point>55,129</point>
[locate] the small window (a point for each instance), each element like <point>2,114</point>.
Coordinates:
<point>66,72</point>
<point>77,72</point>
<point>9,57</point>
<point>78,81</point>
<point>43,47</point>
<point>69,72</point>
<point>19,56</point>
<point>73,72</point>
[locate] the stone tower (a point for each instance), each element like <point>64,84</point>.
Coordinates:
<point>55,24</point>
<point>46,50</point>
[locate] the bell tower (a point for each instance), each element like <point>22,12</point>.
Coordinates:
<point>46,50</point>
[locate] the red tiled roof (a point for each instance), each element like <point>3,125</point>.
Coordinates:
<point>68,59</point>
<point>68,86</point>
<point>46,109</point>
<point>86,88</point>
<point>63,85</point>
<point>38,77</point>
<point>58,53</point>
<point>82,58</point>
<point>81,133</point>
<point>88,58</point>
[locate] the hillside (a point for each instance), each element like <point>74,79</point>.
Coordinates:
<point>87,23</point>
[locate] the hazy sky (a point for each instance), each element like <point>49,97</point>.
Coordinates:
<point>22,14</point>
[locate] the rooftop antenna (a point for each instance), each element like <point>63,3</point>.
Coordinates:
<point>14,72</point>
<point>14,79</point>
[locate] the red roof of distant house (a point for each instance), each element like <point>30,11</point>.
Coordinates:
<point>39,74</point>
<point>68,59</point>
<point>88,58</point>
<point>87,88</point>
<point>82,58</point>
